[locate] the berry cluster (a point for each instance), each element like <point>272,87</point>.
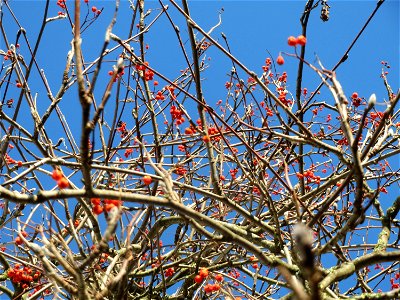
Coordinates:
<point>18,240</point>
<point>24,276</point>
<point>10,161</point>
<point>169,272</point>
<point>148,74</point>
<point>180,170</point>
<point>121,127</point>
<point>59,177</point>
<point>177,115</point>
<point>300,40</point>
<point>160,96</point>
<point>119,74</point>
<point>108,204</point>
<point>356,100</point>
<point>310,176</point>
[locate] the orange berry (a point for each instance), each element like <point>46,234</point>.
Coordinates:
<point>19,85</point>
<point>18,241</point>
<point>292,41</point>
<point>94,9</point>
<point>206,138</point>
<point>147,180</point>
<point>280,60</point>
<point>301,40</point>
<point>63,183</point>
<point>189,130</point>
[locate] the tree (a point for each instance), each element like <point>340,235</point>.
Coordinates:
<point>121,179</point>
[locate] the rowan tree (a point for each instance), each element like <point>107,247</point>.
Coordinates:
<point>124,177</point>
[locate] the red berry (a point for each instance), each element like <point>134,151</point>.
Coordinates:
<point>203,272</point>
<point>63,183</point>
<point>94,9</point>
<point>147,180</point>
<point>208,288</point>
<point>198,279</point>
<point>219,277</point>
<point>95,201</point>
<point>354,95</point>
<point>216,287</point>
<point>18,241</point>
<point>97,209</point>
<point>301,40</point>
<point>19,85</point>
<point>280,60</point>
<point>292,41</point>
<point>56,175</point>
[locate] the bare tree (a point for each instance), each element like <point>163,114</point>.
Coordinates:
<point>161,194</point>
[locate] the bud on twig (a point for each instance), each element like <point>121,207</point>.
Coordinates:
<point>372,101</point>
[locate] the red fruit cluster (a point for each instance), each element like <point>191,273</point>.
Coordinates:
<point>58,176</point>
<point>128,152</point>
<point>18,239</point>
<point>190,130</point>
<point>108,205</point>
<point>310,176</point>
<point>300,40</point>
<point>203,274</point>
<point>61,4</point>
<point>160,96</point>
<point>213,131</point>
<point>24,276</point>
<point>210,288</point>
<point>219,277</point>
<point>119,74</point>
<point>121,127</point>
<point>95,10</point>
<point>355,99</point>
<point>282,96</point>
<point>169,272</point>
<point>375,115</point>
<point>180,170</point>
<point>177,115</point>
<point>148,74</point>
<point>11,161</point>
<point>267,65</point>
